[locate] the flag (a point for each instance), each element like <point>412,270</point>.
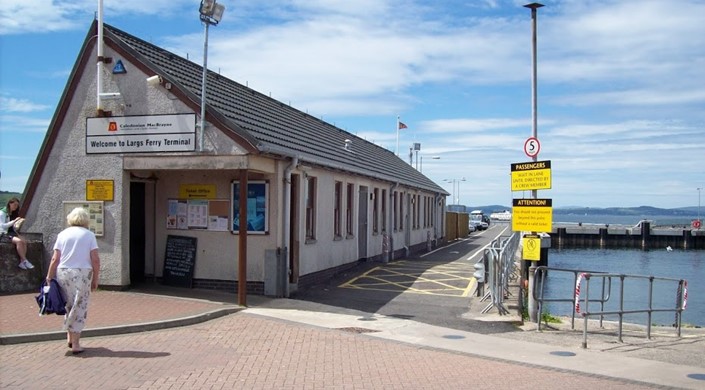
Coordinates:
<point>402,126</point>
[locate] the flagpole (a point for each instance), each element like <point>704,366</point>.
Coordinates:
<point>398,135</point>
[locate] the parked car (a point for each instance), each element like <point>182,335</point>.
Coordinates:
<point>486,219</point>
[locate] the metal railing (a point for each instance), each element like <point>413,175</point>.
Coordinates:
<point>582,305</point>
<point>500,269</point>
<point>540,276</point>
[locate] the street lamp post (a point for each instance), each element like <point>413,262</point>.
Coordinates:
<point>457,198</point>
<point>211,13</point>
<point>432,157</point>
<point>453,191</point>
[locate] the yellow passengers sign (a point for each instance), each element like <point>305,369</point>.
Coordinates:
<point>535,175</point>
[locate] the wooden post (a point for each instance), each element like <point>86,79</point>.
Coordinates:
<point>645,234</point>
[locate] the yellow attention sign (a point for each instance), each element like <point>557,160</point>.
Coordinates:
<point>197,191</point>
<point>531,176</point>
<point>100,190</point>
<point>531,249</point>
<point>532,215</point>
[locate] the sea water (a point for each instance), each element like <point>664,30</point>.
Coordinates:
<point>688,265</point>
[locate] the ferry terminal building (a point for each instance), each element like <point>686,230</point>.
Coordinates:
<point>164,194</point>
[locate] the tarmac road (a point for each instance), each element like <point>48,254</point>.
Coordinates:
<point>433,288</point>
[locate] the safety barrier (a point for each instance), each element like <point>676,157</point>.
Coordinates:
<point>499,269</point>
<point>582,305</point>
<point>539,291</point>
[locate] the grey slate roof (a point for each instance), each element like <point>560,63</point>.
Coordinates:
<point>271,126</point>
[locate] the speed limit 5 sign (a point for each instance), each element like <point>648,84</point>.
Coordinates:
<point>532,147</point>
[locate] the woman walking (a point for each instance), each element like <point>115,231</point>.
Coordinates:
<point>76,266</point>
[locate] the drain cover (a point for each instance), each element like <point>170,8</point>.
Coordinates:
<point>353,329</point>
<point>562,353</point>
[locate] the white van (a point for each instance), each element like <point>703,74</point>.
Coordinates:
<point>476,220</point>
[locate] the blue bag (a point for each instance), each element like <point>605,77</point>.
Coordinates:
<point>50,300</point>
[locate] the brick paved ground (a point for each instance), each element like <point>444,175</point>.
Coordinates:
<point>19,313</point>
<point>247,351</point>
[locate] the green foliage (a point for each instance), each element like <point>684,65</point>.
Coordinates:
<point>5,196</point>
<point>547,318</point>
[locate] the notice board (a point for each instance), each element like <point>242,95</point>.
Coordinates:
<point>531,176</point>
<point>95,211</point>
<point>532,215</point>
<point>179,260</point>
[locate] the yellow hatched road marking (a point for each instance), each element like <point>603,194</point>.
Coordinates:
<point>417,273</point>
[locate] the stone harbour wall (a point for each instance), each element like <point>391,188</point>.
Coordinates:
<point>12,278</point>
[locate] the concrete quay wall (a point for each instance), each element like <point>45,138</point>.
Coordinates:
<point>642,236</point>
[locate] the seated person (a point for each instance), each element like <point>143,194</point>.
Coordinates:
<point>9,218</point>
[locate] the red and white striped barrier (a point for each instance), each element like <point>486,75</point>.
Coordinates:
<point>685,294</point>
<point>577,292</point>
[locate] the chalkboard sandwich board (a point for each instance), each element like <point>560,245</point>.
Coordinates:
<point>179,261</point>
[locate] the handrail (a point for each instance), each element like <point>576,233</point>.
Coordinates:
<point>681,296</point>
<point>540,276</point>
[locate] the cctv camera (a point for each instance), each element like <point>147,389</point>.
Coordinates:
<point>154,80</point>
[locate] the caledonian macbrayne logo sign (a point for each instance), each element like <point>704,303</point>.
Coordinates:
<point>533,215</point>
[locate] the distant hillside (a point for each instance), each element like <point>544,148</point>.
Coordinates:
<point>638,211</point>
<point>5,196</point>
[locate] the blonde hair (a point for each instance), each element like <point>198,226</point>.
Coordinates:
<point>78,217</point>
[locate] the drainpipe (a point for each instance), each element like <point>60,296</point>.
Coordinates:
<point>438,213</point>
<point>390,228</point>
<point>286,223</point>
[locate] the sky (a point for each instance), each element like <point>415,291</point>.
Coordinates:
<point>620,84</point>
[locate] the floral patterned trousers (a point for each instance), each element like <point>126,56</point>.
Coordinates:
<point>76,288</point>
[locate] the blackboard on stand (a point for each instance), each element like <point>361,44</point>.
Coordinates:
<point>179,261</point>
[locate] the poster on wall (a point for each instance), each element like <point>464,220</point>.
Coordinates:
<point>257,211</point>
<point>205,214</point>
<point>95,211</point>
<point>218,213</point>
<point>177,214</point>
<point>198,214</point>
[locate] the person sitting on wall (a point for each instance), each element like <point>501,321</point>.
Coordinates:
<point>10,222</point>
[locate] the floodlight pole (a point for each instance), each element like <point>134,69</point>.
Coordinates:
<point>201,130</point>
<point>208,16</point>
<point>534,94</point>
<point>533,305</point>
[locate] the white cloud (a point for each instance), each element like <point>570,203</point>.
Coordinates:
<point>22,124</point>
<point>660,95</point>
<point>19,105</point>
<point>619,81</point>
<point>22,16</point>
<point>42,16</point>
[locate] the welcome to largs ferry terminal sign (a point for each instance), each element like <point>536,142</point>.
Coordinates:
<point>141,134</point>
